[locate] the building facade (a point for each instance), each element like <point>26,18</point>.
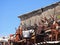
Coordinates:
<point>35,16</point>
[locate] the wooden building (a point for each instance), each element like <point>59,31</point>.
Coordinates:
<point>35,16</point>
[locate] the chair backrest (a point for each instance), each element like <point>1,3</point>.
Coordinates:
<point>18,33</point>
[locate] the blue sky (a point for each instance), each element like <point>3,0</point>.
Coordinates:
<point>11,9</point>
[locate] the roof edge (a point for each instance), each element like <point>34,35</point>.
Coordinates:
<point>36,10</point>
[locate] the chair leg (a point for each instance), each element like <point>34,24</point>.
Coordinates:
<point>51,38</point>
<point>56,37</point>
